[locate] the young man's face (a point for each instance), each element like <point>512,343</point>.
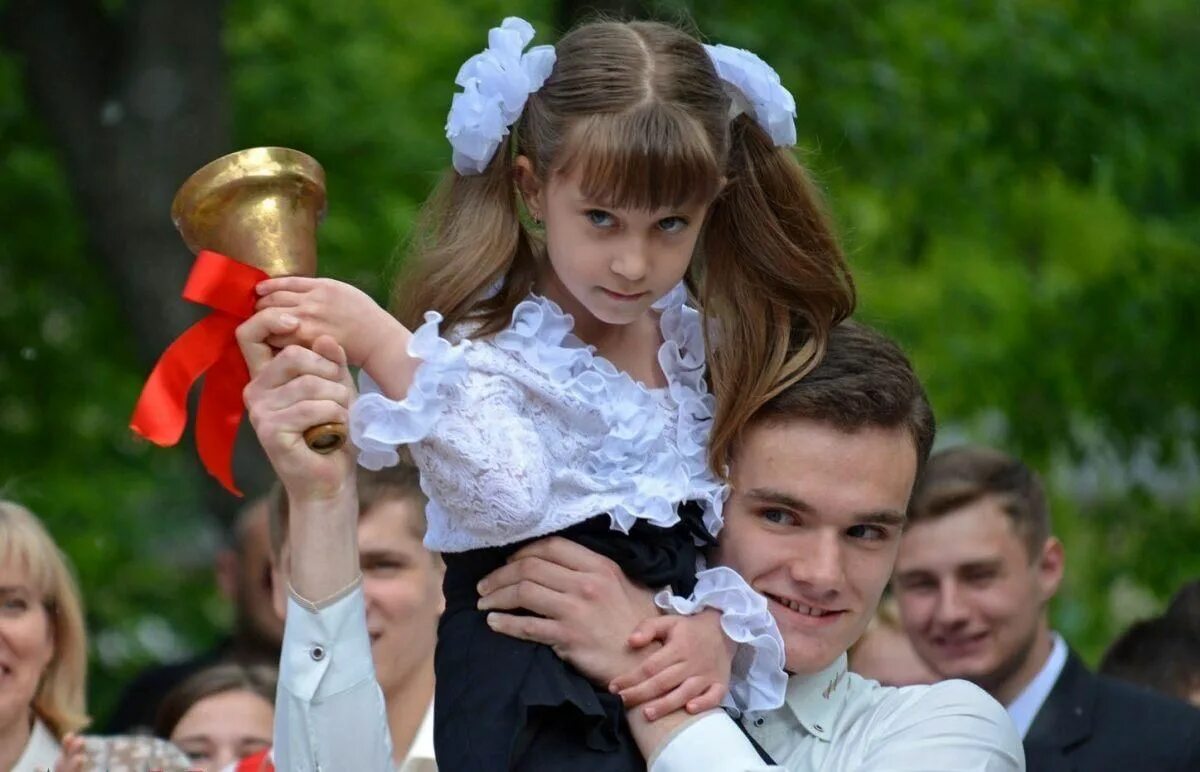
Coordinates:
<point>813,523</point>
<point>971,597</point>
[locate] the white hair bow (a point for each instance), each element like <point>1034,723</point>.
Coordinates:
<point>755,88</point>
<point>496,84</point>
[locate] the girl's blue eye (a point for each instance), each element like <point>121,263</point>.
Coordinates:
<point>599,218</point>
<point>672,224</point>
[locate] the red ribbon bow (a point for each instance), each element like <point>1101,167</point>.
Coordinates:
<point>259,762</point>
<point>208,346</point>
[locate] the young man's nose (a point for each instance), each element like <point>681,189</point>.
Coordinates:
<point>950,608</point>
<point>820,569</point>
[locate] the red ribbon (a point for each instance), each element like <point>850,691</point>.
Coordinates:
<point>259,762</point>
<point>206,348</point>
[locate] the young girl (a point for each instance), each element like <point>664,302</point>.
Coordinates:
<point>598,185</point>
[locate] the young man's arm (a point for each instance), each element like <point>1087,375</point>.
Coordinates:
<point>330,713</point>
<point>586,608</point>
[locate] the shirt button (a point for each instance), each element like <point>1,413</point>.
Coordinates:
<point>759,721</point>
<point>317,653</point>
<point>818,727</point>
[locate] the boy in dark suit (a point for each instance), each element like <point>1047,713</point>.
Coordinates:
<point>975,573</point>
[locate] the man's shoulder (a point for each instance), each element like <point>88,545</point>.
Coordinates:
<point>946,700</point>
<point>950,724</point>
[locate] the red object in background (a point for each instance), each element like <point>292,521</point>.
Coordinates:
<point>259,762</point>
<point>206,348</point>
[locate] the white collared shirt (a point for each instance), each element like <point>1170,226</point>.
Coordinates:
<point>837,721</point>
<point>1027,704</point>
<point>330,713</point>
<point>41,750</point>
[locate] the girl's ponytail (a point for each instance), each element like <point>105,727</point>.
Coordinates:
<point>774,281</point>
<point>471,239</point>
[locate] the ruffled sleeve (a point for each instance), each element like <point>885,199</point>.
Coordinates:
<point>379,424</point>
<point>480,453</point>
<point>758,681</point>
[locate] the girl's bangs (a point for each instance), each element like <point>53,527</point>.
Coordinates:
<point>655,157</point>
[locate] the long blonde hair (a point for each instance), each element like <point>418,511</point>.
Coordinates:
<point>60,698</point>
<point>638,109</point>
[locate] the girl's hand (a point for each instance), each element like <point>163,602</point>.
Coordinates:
<point>74,755</point>
<point>690,671</point>
<point>311,308</point>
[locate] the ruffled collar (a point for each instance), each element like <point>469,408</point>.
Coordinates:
<point>636,453</point>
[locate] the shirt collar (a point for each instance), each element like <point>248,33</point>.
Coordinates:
<point>815,700</point>
<point>1025,707</point>
<point>422,745</point>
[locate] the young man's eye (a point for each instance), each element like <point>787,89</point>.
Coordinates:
<point>672,224</point>
<point>599,218</point>
<point>868,532</point>
<point>778,516</point>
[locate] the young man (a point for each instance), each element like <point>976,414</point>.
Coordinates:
<point>820,482</point>
<point>976,571</point>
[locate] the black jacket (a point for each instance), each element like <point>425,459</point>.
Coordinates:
<point>1092,723</point>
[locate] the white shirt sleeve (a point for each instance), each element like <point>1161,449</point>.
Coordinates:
<point>713,743</point>
<point>952,726</point>
<point>329,710</point>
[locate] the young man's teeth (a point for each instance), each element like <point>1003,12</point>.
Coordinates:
<point>801,609</point>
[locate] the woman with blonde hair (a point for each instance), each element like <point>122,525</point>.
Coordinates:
<point>43,645</point>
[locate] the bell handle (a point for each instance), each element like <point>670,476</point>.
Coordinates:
<point>325,438</point>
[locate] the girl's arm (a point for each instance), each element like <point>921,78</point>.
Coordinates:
<point>303,309</point>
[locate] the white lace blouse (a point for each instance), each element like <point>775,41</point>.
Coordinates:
<point>527,432</point>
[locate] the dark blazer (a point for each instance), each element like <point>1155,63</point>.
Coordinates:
<point>1092,723</point>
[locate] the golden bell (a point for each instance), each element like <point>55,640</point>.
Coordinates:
<point>260,207</point>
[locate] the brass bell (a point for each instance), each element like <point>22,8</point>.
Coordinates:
<point>260,206</point>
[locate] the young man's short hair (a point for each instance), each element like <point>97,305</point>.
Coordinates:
<point>959,477</point>
<point>394,483</point>
<point>863,381</point>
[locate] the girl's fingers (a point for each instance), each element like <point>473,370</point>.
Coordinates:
<point>709,699</point>
<point>287,283</point>
<point>648,668</point>
<point>652,629</point>
<point>676,699</point>
<point>279,299</point>
<point>656,686</point>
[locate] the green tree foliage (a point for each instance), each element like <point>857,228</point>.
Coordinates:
<point>1016,184</point>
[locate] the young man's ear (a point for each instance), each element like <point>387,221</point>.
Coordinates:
<point>1051,565</point>
<point>530,186</point>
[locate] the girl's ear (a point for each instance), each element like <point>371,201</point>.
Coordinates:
<point>530,186</point>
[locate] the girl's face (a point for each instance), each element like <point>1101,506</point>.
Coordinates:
<point>220,729</point>
<point>26,642</point>
<point>609,263</point>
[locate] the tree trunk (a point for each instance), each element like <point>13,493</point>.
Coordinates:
<point>135,101</point>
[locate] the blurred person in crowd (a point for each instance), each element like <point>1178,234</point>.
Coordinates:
<point>220,715</point>
<point>977,568</point>
<point>335,673</point>
<point>43,645</point>
<point>243,575</point>
<point>1162,654</point>
<point>1185,606</point>
<point>885,654</point>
